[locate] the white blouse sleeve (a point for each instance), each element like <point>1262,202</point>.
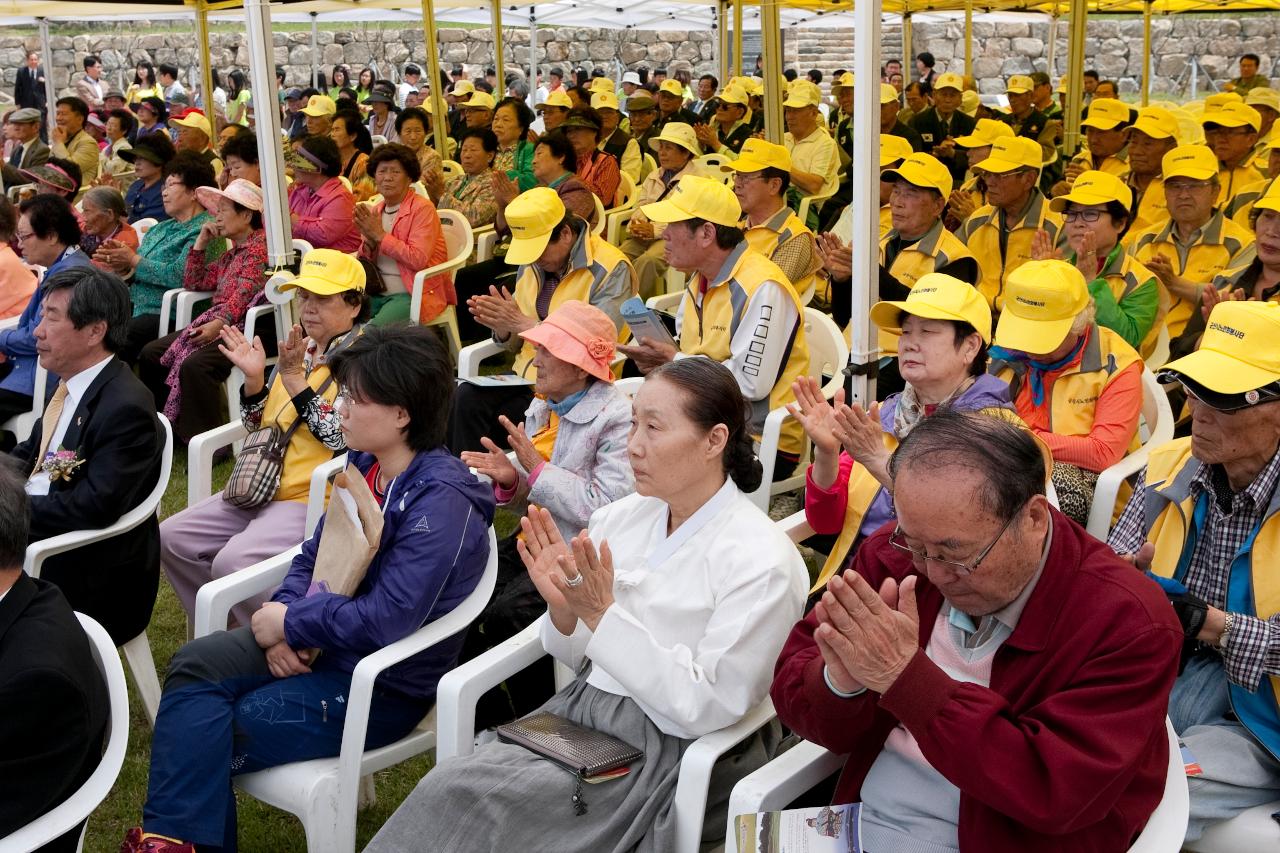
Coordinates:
<point>568,650</point>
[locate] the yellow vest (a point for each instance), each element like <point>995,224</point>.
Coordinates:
<point>766,237</point>
<point>1116,164</point>
<point>1220,245</point>
<point>1152,210</point>
<point>1253,585</point>
<point>305,451</point>
<point>934,251</point>
<point>708,329</point>
<point>590,264</point>
<point>886,221</point>
<point>1126,274</point>
<point>981,233</point>
<point>1076,392</point>
<point>1240,209</point>
<point>1236,180</point>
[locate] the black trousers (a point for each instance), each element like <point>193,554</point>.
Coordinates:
<point>473,281</point>
<point>475,414</point>
<point>142,330</point>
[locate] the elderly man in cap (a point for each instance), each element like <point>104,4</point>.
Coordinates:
<point>69,140</point>
<point>613,139</point>
<point>671,107</point>
<point>815,162</point>
<point>1153,135</point>
<point>942,124</point>
<point>1199,242</point>
<point>24,127</point>
<point>919,244</point>
<point>891,123</point>
<point>998,679</point>
<point>677,152</point>
<point>294,123</point>
<point>1106,130</point>
<point>1042,96</point>
<point>1026,120</point>
<point>554,110</point>
<point>195,135</point>
<point>319,112</point>
<point>1267,102</point>
<point>1231,130</point>
<point>1000,233</point>
<point>1203,519</point>
<point>629,86</point>
<point>728,129</point>
<point>477,110</point>
<point>642,116</point>
<point>557,259</point>
<point>738,309</point>
<point>976,146</point>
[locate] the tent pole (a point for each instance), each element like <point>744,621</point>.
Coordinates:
<point>206,61</point>
<point>439,114</point>
<point>968,41</point>
<point>315,52</point>
<point>739,65</point>
<point>533,57</point>
<point>1075,75</point>
<point>771,44</point>
<point>1146,52</point>
<point>275,204</point>
<point>499,67</point>
<point>722,41</point>
<point>46,59</point>
<point>863,349</point>
<point>1052,55</point>
<point>908,62</point>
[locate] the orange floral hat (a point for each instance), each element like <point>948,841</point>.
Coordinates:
<point>579,334</point>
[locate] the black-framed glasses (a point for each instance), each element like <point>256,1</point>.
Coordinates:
<point>1084,215</point>
<point>899,540</point>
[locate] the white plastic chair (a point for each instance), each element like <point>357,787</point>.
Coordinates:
<point>783,780</point>
<point>711,164</point>
<point>324,792</point>
<point>451,169</point>
<point>615,225</point>
<point>22,423</point>
<point>487,240</point>
<point>1157,422</point>
<point>462,687</point>
<point>648,164</point>
<point>143,225</point>
<point>828,354</point>
<point>1160,355</point>
<point>378,139</point>
<point>598,228</point>
<point>1251,830</point>
<point>459,240</point>
<point>626,195</point>
<point>138,650</point>
<point>815,201</point>
<point>77,808</point>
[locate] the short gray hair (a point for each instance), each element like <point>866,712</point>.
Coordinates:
<point>107,198</point>
<point>1005,454</point>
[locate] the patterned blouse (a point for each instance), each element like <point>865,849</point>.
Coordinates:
<point>472,196</point>
<point>517,162</point>
<point>236,279</point>
<point>163,252</point>
<point>429,160</point>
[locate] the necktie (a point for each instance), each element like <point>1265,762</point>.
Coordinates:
<point>15,159</point>
<point>49,423</point>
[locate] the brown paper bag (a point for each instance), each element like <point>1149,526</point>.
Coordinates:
<point>352,532</point>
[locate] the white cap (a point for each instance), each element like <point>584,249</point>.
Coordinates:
<point>631,77</point>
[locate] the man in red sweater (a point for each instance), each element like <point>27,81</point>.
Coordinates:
<point>998,679</point>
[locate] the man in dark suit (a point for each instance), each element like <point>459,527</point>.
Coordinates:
<point>105,417</point>
<point>30,151</point>
<point>55,702</point>
<point>942,124</point>
<point>28,88</point>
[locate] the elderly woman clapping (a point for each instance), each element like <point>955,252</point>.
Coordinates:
<point>679,596</point>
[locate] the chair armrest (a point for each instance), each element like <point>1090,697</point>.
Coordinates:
<point>614,224</point>
<point>767,453</point>
<point>320,477</point>
<point>695,772</point>
<point>186,305</point>
<point>1108,489</point>
<point>780,782</point>
<point>200,458</point>
<point>254,314</point>
<point>470,357</point>
<point>461,688</point>
<point>166,307</point>
<point>796,526</point>
<point>665,302</point>
<point>486,242</point>
<point>215,598</point>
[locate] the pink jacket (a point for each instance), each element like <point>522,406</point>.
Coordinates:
<point>416,242</point>
<point>17,283</point>
<point>326,216</point>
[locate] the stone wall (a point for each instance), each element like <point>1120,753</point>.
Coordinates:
<point>1113,47</point>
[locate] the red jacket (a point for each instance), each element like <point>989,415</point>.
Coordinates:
<point>1066,751</point>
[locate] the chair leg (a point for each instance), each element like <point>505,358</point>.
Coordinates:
<point>137,653</point>
<point>368,793</point>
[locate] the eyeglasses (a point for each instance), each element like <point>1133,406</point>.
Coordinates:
<point>1218,130</point>
<point>1084,215</point>
<point>1185,187</point>
<point>992,177</point>
<point>899,540</point>
<point>24,236</point>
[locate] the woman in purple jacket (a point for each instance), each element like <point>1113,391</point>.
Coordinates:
<point>256,696</point>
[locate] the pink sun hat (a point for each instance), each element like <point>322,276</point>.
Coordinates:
<point>579,334</point>
<point>242,192</point>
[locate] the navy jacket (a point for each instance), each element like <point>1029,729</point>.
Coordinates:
<point>435,543</point>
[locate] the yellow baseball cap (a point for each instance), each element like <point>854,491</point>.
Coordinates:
<point>1217,99</point>
<point>1013,152</point>
<point>757,154</point>
<point>1106,114</point>
<point>1239,352</point>
<point>328,271</point>
<point>1232,114</point>
<point>695,197</point>
<point>1261,97</point>
<point>888,94</point>
<point>1019,84</point>
<point>937,296</point>
<point>950,80</point>
<point>558,98</point>
<point>921,170</point>
<point>802,93</point>
<point>1190,161</point>
<point>985,132</point>
<point>734,93</point>
<point>1093,187</point>
<point>1042,300</point>
<point>478,100</point>
<point>1157,122</point>
<point>320,105</point>
<point>601,84</point>
<point>532,216</point>
<point>754,86</point>
<point>678,133</point>
<point>461,87</point>
<point>969,102</point>
<point>604,100</point>
<point>196,120</point>
<point>892,149</point>
<point>845,79</point>
<point>1270,198</point>
<point>671,86</point>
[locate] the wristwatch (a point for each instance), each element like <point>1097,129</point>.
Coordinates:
<point>1227,623</point>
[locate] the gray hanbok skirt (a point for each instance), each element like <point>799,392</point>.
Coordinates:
<point>504,798</point>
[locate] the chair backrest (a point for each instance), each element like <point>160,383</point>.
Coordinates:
<point>452,168</point>
<point>39,272</point>
<point>1167,826</point>
<point>457,234</point>
<point>143,225</point>
<point>378,139</point>
<point>1157,415</point>
<point>626,195</point>
<point>76,808</point>
<point>711,163</point>
<point>18,192</point>
<point>1160,355</point>
<point>630,386</point>
<point>828,350</point>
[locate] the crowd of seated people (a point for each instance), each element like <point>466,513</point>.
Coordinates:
<point>979,658</point>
